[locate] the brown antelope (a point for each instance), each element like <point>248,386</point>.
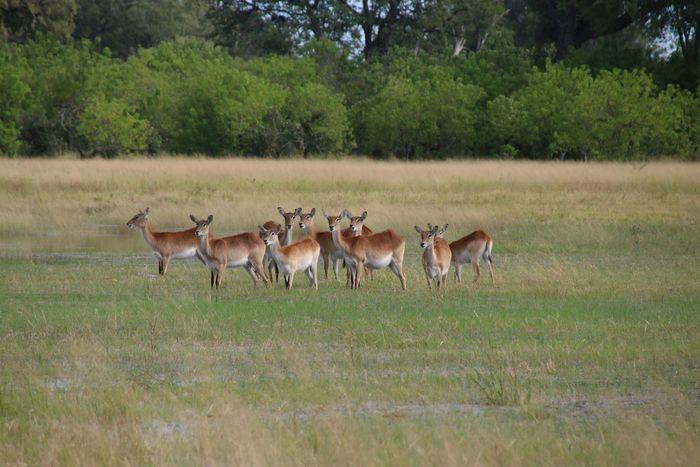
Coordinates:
<point>436,255</point>
<point>357,227</point>
<point>380,250</point>
<point>330,253</point>
<point>471,249</point>
<point>301,255</point>
<point>285,237</point>
<point>165,245</point>
<point>245,250</point>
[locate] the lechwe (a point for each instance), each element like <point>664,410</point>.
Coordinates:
<point>380,250</point>
<point>165,245</point>
<point>330,253</point>
<point>245,250</point>
<point>471,249</point>
<point>285,237</point>
<point>357,227</point>
<point>301,255</point>
<point>436,255</point>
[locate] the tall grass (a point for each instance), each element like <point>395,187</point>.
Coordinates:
<point>585,353</point>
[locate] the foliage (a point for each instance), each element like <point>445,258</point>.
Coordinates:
<point>191,96</point>
<point>21,20</point>
<point>110,127</point>
<point>13,97</point>
<point>124,25</point>
<point>568,112</point>
<point>422,117</point>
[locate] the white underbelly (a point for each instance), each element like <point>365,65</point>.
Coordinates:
<point>378,263</point>
<point>304,264</point>
<point>188,253</point>
<point>237,262</point>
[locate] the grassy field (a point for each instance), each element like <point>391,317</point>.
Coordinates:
<point>586,352</point>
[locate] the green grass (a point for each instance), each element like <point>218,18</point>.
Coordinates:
<point>586,352</point>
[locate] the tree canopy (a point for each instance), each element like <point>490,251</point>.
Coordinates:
<point>404,78</point>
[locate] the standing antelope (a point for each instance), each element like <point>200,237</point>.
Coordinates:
<point>165,245</point>
<point>380,250</point>
<point>244,250</point>
<point>301,255</point>
<point>330,253</point>
<point>285,237</point>
<point>471,249</point>
<point>436,255</point>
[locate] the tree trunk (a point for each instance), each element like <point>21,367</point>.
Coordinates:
<point>567,33</point>
<point>457,46</point>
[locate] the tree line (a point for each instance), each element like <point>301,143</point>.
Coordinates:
<point>409,79</point>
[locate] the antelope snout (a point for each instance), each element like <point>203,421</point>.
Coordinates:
<point>301,225</point>
<point>423,245</point>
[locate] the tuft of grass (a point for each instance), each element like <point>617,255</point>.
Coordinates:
<point>501,386</point>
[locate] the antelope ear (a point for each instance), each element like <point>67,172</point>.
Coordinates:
<point>325,213</point>
<point>313,211</point>
<point>418,229</point>
<point>444,229</point>
<point>364,215</point>
<point>281,211</point>
<point>210,218</point>
<point>146,211</point>
<point>278,228</point>
<point>430,227</point>
<point>435,229</point>
<point>297,212</point>
<point>194,219</point>
<point>262,229</point>
<point>346,213</point>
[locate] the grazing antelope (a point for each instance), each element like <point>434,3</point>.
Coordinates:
<point>471,249</point>
<point>285,237</point>
<point>380,250</point>
<point>330,253</point>
<point>436,255</point>
<point>244,250</point>
<point>165,245</point>
<point>301,255</point>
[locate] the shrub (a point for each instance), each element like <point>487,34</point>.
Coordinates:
<point>13,97</point>
<point>417,119</point>
<point>567,112</point>
<point>110,127</point>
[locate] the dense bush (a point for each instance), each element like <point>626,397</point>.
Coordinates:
<point>189,96</point>
<point>568,112</point>
<point>111,127</point>
<point>418,118</point>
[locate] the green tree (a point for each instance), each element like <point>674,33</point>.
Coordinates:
<point>23,19</point>
<point>125,25</point>
<point>463,24</point>
<point>110,127</point>
<point>14,94</point>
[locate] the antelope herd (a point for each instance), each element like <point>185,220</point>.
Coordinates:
<point>356,246</point>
